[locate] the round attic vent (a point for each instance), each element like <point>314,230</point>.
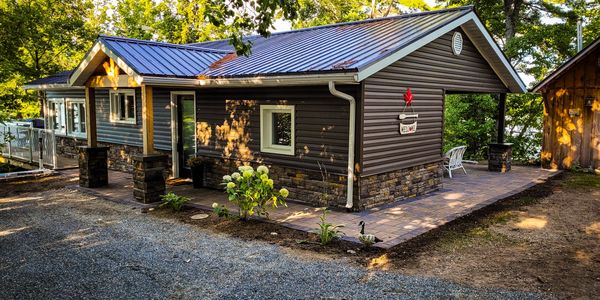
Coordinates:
<point>457,43</point>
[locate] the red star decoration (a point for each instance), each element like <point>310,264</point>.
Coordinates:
<point>408,97</point>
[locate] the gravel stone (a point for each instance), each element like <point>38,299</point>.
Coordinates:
<point>66,245</point>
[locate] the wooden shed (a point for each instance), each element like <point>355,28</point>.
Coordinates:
<point>571,97</point>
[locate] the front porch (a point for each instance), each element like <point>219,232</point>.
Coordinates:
<point>395,222</point>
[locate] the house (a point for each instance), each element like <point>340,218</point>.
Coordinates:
<point>324,107</point>
<point>571,96</point>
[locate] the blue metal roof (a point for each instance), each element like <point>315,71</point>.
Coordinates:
<point>58,78</point>
<point>162,59</point>
<point>330,48</point>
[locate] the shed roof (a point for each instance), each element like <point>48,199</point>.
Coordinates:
<point>567,65</point>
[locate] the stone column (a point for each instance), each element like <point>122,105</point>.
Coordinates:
<point>93,166</point>
<point>499,157</point>
<point>149,177</point>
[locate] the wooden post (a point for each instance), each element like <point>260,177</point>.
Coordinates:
<point>500,123</point>
<point>90,117</point>
<point>147,120</point>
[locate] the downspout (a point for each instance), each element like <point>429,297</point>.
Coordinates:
<point>351,134</point>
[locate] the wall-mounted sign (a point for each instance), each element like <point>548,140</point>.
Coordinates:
<point>408,122</point>
<point>574,112</point>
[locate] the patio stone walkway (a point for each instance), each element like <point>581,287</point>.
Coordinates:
<point>394,223</point>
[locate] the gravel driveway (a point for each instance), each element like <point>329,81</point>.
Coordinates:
<point>66,244</point>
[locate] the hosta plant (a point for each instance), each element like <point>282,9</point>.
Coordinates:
<point>174,201</point>
<point>253,192</point>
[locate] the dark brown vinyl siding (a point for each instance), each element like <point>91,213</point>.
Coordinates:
<point>321,125</point>
<point>427,72</point>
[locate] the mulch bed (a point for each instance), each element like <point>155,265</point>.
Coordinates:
<point>254,229</point>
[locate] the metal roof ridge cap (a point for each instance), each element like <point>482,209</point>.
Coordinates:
<point>466,8</point>
<point>157,43</point>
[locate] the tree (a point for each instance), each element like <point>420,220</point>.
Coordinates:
<point>321,12</point>
<point>174,21</point>
<point>243,17</point>
<point>469,120</point>
<point>38,38</point>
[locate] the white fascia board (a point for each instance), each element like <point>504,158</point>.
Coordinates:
<point>500,54</point>
<point>378,66</point>
<point>344,78</point>
<point>90,57</point>
<point>56,86</point>
<point>410,48</point>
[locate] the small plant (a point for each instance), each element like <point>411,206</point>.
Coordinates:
<point>196,161</point>
<point>328,232</point>
<point>221,210</point>
<point>174,201</point>
<point>253,192</point>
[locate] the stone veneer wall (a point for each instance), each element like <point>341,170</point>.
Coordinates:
<point>401,184</point>
<point>119,156</point>
<point>67,146</point>
<point>304,186</point>
<point>309,186</point>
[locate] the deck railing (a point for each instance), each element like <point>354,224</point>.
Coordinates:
<point>32,145</point>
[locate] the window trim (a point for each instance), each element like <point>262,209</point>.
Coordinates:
<point>53,113</point>
<point>69,113</point>
<point>112,115</point>
<point>266,132</point>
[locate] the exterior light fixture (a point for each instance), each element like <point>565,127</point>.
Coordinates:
<point>589,100</point>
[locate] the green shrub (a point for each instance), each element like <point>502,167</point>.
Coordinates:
<point>252,191</point>
<point>328,232</point>
<point>220,210</point>
<point>174,201</point>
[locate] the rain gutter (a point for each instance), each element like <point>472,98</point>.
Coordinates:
<point>351,135</point>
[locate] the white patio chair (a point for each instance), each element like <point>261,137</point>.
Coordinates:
<point>453,159</point>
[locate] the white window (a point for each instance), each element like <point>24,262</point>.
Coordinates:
<point>76,117</point>
<point>277,129</point>
<point>56,115</point>
<point>122,106</point>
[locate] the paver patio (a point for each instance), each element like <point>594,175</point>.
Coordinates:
<point>395,222</point>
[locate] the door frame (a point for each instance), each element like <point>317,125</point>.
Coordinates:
<point>175,128</point>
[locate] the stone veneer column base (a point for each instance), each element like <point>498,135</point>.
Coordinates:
<point>500,157</point>
<point>149,177</point>
<point>93,166</point>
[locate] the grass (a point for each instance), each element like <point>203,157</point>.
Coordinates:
<point>583,181</point>
<point>466,234</point>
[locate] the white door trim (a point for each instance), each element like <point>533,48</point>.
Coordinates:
<point>174,129</point>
